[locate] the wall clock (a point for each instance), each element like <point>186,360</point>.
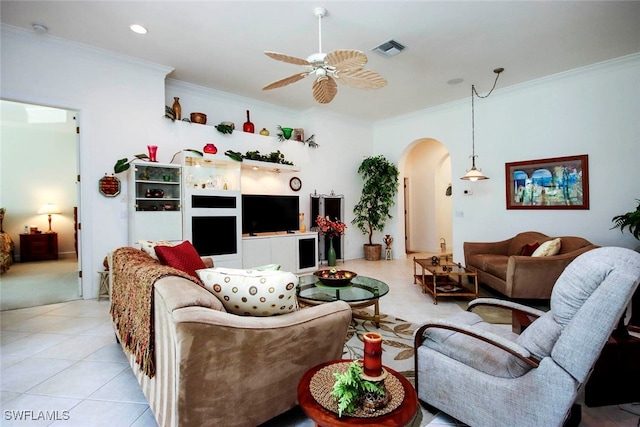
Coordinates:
<point>295,183</point>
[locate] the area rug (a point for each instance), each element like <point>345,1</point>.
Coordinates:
<point>495,314</point>
<point>397,349</point>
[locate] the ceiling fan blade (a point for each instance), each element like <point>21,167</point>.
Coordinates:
<point>362,79</point>
<point>286,81</point>
<point>345,59</point>
<point>286,58</point>
<point>324,89</point>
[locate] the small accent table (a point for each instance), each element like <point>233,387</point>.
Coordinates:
<point>38,247</point>
<point>361,292</point>
<point>322,417</point>
<point>103,288</point>
<point>444,279</point>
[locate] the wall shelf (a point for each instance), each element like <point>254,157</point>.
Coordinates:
<point>268,166</point>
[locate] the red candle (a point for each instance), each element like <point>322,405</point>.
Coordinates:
<point>372,354</point>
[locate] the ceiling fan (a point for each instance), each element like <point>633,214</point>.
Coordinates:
<point>342,65</point>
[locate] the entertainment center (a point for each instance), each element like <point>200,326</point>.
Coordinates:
<point>199,199</point>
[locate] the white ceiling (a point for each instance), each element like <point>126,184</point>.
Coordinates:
<point>220,44</point>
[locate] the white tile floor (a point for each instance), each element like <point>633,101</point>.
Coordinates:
<point>61,365</point>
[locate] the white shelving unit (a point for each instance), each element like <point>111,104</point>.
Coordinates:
<point>154,202</point>
<point>212,207</point>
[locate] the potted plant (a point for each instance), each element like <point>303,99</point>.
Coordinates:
<point>378,192</point>
<point>629,219</point>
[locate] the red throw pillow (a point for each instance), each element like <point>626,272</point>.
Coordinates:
<point>528,250</point>
<point>184,257</point>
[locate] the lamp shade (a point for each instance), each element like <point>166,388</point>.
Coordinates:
<point>49,209</point>
<point>474,174</point>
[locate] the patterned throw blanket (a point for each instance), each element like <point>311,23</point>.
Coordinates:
<point>134,275</point>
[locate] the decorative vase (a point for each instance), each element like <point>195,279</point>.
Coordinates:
<point>331,254</point>
<point>177,109</point>
<point>248,126</point>
<point>153,150</point>
<point>210,148</point>
<point>303,227</point>
<point>264,132</point>
<point>388,240</point>
<point>286,132</point>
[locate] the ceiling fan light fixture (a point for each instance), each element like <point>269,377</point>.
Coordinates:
<point>344,64</point>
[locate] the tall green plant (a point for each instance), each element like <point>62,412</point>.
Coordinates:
<point>631,220</point>
<point>379,189</point>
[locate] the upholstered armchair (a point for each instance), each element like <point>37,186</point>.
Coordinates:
<point>484,374</point>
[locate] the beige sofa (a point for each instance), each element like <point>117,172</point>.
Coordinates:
<point>213,368</point>
<point>501,266</point>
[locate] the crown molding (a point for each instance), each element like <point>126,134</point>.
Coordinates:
<point>83,49</point>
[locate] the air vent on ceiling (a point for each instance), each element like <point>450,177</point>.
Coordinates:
<point>389,48</point>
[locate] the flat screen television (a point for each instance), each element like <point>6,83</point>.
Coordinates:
<point>269,213</point>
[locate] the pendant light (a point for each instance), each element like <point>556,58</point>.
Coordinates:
<point>475,174</point>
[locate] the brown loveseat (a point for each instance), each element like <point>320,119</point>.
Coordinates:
<point>501,266</point>
<point>207,367</point>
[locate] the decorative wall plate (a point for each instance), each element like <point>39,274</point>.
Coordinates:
<point>109,186</point>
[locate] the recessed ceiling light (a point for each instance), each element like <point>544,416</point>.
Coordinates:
<point>136,28</point>
<point>455,81</point>
<point>39,28</point>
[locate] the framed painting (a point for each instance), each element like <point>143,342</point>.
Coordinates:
<point>555,183</point>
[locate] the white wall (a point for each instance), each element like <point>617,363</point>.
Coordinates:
<point>591,111</point>
<point>121,107</point>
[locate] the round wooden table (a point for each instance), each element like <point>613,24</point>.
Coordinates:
<point>401,416</point>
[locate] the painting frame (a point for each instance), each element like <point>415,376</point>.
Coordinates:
<point>553,183</point>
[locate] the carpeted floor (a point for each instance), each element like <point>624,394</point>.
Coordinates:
<point>497,315</point>
<point>33,284</point>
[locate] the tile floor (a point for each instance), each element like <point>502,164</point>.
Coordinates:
<point>61,366</point>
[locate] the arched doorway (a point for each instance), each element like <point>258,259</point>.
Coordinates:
<point>427,196</point>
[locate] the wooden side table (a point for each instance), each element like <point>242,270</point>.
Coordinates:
<point>322,417</point>
<point>38,247</point>
<point>103,288</point>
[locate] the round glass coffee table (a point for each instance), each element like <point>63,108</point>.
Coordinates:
<point>361,292</point>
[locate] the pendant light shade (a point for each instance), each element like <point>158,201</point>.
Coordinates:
<point>475,174</point>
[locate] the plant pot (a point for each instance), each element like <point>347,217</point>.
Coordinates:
<point>372,252</point>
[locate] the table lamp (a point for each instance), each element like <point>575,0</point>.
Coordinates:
<point>49,209</point>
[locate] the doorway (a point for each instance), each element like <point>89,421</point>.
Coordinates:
<point>39,163</point>
<point>428,207</point>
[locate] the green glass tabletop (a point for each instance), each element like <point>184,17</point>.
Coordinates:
<point>360,289</point>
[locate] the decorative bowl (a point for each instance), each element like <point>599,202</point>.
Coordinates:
<point>335,277</point>
<point>199,118</point>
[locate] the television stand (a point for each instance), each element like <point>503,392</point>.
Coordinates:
<point>293,251</point>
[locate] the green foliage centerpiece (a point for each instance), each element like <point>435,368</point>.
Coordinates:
<point>352,391</point>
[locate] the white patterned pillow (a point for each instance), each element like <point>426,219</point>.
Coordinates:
<point>149,246</point>
<point>548,248</point>
<point>252,292</point>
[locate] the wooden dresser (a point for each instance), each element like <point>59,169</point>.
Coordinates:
<point>38,247</point>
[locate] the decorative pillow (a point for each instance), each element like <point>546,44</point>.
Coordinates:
<point>252,292</point>
<point>528,250</point>
<point>184,257</point>
<point>148,246</point>
<point>548,248</point>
